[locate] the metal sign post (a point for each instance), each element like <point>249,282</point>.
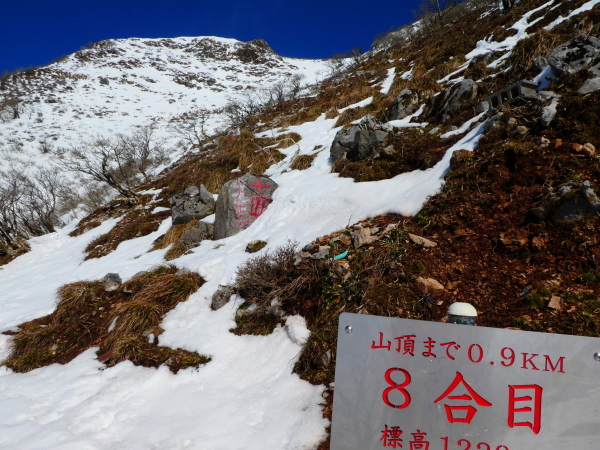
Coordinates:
<point>418,385</point>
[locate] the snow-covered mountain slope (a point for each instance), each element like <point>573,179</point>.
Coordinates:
<point>247,396</point>
<point>119,84</point>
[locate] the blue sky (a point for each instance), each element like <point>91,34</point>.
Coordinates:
<point>35,32</point>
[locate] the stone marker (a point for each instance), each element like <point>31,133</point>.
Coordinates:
<point>240,202</point>
<point>194,203</point>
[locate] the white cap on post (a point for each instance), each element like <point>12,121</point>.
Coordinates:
<point>462,313</point>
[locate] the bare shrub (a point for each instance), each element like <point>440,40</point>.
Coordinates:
<point>263,277</point>
<point>120,162</point>
<point>191,127</point>
<point>254,101</point>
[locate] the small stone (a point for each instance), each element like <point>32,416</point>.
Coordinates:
<point>544,142</point>
<point>588,149</point>
<point>255,246</point>
<point>482,107</point>
<point>430,286</point>
<point>521,130</point>
<point>222,296</point>
<point>111,281</point>
<point>320,255</point>
<point>421,240</point>
<point>362,236</point>
<point>451,128</point>
<point>310,248</point>
<point>555,303</point>
<point>435,130</point>
<point>346,240</point>
<point>577,147</point>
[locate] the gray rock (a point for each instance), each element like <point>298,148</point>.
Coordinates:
<point>572,204</point>
<point>320,255</point>
<point>222,296</point>
<point>482,107</point>
<point>194,203</point>
<point>591,85</point>
<point>442,106</point>
<point>369,123</point>
<point>540,63</point>
<point>112,281</point>
<point>575,55</point>
<point>501,121</point>
<point>358,142</point>
<point>405,104</point>
<point>195,235</point>
<point>548,113</point>
<point>240,202</point>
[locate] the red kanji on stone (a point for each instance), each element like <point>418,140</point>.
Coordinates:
<point>406,344</point>
<point>258,204</point>
<point>391,437</point>
<point>471,396</point>
<point>448,346</point>
<point>260,186</point>
<point>419,442</point>
<point>381,344</point>
<point>429,344</point>
<point>535,409</point>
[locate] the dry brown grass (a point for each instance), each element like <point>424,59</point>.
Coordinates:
<point>173,235</point>
<point>178,249</point>
<point>302,162</point>
<point>288,139</point>
<point>526,50</point>
<point>84,312</point>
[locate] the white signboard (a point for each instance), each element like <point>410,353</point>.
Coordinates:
<point>418,385</point>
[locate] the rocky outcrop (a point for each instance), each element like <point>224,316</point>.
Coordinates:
<point>240,202</point>
<point>442,106</point>
<point>404,105</point>
<point>360,141</point>
<point>572,203</point>
<point>193,203</point>
<point>575,55</point>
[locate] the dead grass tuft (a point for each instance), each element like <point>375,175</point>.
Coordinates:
<point>302,162</point>
<point>85,311</point>
<point>539,44</point>
<point>178,249</point>
<point>173,235</point>
<point>289,139</point>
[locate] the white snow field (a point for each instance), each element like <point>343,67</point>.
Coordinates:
<point>247,397</point>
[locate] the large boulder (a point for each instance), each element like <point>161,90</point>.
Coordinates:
<point>240,202</point>
<point>360,141</point>
<point>404,105</point>
<point>575,55</point>
<point>442,106</point>
<point>194,203</point>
